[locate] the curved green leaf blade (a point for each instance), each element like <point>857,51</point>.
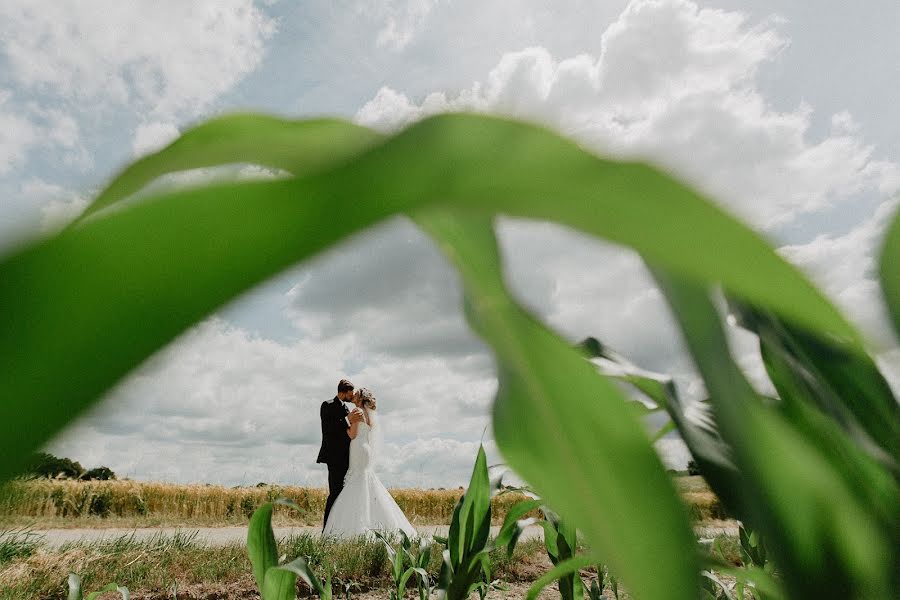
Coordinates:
<point>81,309</point>
<point>507,533</point>
<point>261,544</point>
<point>699,432</point>
<point>889,268</point>
<point>573,565</point>
<point>827,540</point>
<point>298,147</point>
<point>279,584</point>
<point>470,525</point>
<point>109,587</point>
<point>521,167</point>
<point>300,568</point>
<point>591,460</point>
<point>844,385</point>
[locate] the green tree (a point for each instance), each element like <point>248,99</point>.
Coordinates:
<point>44,464</point>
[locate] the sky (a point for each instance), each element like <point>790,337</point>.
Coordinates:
<point>783,112</point>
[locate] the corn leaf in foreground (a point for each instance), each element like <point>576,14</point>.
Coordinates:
<point>296,146</point>
<point>86,306</point>
<point>821,374</point>
<point>889,269</point>
<point>826,539</point>
<point>567,430</point>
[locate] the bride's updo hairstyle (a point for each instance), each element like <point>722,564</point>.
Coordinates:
<point>368,398</point>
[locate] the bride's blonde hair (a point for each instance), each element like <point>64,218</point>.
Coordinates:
<point>367,397</point>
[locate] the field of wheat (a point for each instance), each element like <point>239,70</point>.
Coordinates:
<point>81,503</point>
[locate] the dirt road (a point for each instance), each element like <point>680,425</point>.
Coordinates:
<point>221,536</point>
<point>213,536</point>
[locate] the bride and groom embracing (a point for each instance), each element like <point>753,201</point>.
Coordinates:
<point>358,502</point>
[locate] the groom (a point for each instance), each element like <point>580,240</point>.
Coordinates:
<point>335,450</point>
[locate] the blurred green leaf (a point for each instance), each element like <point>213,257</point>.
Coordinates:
<point>296,146</point>
<point>889,268</point>
<point>510,529</point>
<point>663,431</point>
<point>827,541</point>
<point>85,307</point>
<point>845,385</point>
<point>591,460</point>
<point>573,565</point>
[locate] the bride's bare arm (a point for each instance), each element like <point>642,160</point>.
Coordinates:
<point>354,427</point>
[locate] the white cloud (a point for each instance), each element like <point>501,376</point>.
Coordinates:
<point>675,84</point>
<point>113,52</point>
<point>58,206</point>
<point>17,134</point>
<point>24,127</point>
<point>402,21</point>
<point>846,266</point>
<point>153,136</point>
<point>246,409</point>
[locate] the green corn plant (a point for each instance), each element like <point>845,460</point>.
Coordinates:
<point>820,384</point>
<point>597,585</point>
<point>466,559</point>
<point>487,584</point>
<point>560,541</point>
<point>348,587</point>
<point>274,581</point>
<point>711,585</point>
<point>753,551</point>
<point>419,562</point>
<point>399,558</point>
<point>75,592</point>
<point>143,271</point>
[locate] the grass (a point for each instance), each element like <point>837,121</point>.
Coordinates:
<point>66,504</point>
<point>151,567</point>
<point>17,544</point>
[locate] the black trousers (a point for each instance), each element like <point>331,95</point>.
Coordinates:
<point>336,475</point>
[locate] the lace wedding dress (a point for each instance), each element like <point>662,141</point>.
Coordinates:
<point>364,504</point>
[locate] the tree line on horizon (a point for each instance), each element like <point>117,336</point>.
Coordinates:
<point>46,465</point>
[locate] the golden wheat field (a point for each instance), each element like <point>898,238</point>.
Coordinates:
<point>76,503</point>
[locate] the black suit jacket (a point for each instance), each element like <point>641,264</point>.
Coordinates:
<point>335,450</point>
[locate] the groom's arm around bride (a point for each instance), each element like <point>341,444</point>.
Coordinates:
<point>335,449</point>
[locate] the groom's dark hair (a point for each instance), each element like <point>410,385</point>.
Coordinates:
<point>344,385</point>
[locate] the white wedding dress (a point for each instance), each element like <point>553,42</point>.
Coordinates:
<point>364,505</point>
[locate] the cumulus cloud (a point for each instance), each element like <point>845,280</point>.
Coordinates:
<point>58,205</point>
<point>24,127</point>
<point>243,408</point>
<point>846,266</point>
<point>110,52</point>
<point>17,134</point>
<point>675,84</point>
<point>150,137</point>
<point>402,21</point>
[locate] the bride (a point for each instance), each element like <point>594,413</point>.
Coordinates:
<point>364,504</point>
